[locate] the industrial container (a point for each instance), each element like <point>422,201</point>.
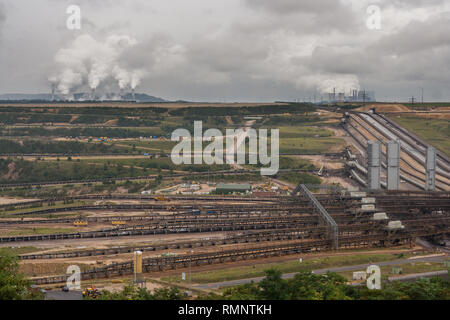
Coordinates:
<point>357,194</point>
<point>80,223</point>
<point>368,200</point>
<point>233,188</point>
<point>380,216</point>
<point>368,208</point>
<point>392,225</point>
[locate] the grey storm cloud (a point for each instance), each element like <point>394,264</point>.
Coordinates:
<point>234,50</point>
<point>311,16</point>
<point>2,16</point>
<point>414,3</point>
<point>294,6</point>
<point>418,36</point>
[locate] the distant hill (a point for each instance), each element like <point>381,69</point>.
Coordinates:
<point>140,97</point>
<point>21,96</point>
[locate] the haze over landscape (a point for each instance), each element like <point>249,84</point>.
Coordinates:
<point>236,50</point>
<point>244,150</point>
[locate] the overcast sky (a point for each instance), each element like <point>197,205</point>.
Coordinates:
<point>228,50</point>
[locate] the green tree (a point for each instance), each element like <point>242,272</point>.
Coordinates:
<point>308,286</point>
<point>273,287</point>
<point>248,291</point>
<point>13,285</point>
<point>131,292</point>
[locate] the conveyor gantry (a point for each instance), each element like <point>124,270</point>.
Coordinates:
<point>332,225</point>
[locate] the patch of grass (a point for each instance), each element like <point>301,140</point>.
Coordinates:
<point>304,131</point>
<point>426,106</point>
<point>39,231</point>
<point>299,177</point>
<point>288,162</point>
<point>307,139</point>
<point>18,250</point>
<point>15,212</point>
<point>39,171</point>
<point>149,145</point>
<point>159,164</point>
<point>295,163</point>
<point>433,131</point>
<point>412,268</point>
<point>415,267</point>
<point>311,145</point>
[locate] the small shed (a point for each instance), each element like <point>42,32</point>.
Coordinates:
<point>233,188</point>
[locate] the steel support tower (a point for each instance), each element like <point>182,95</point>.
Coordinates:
<point>393,164</point>
<point>430,183</point>
<point>332,225</point>
<point>374,165</point>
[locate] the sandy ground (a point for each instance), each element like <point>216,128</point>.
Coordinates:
<point>7,200</point>
<point>385,108</point>
<point>176,189</point>
<point>337,131</point>
<point>329,114</point>
<point>346,183</point>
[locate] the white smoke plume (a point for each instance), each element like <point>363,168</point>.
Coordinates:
<point>122,76</point>
<point>341,83</point>
<point>87,61</point>
<point>136,78</point>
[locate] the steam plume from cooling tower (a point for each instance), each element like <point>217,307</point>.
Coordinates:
<point>88,62</point>
<point>339,83</point>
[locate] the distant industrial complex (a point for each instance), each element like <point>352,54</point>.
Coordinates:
<point>354,96</point>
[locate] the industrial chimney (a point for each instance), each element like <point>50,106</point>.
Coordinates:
<point>53,91</point>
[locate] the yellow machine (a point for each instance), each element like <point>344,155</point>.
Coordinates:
<point>118,223</point>
<point>161,198</point>
<point>91,292</point>
<point>80,223</point>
